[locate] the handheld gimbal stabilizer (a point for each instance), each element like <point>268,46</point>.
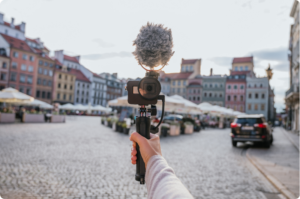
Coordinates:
<point>154,46</point>
<point>145,92</point>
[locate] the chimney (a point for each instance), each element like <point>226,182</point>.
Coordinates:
<point>115,74</point>
<point>1,18</point>
<point>78,58</point>
<point>22,27</point>
<point>59,55</point>
<point>12,23</point>
<point>211,72</point>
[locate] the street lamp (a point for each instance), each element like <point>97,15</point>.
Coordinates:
<point>269,72</point>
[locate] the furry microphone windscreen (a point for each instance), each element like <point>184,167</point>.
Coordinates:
<point>154,45</point>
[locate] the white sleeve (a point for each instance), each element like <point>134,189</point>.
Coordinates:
<point>162,182</point>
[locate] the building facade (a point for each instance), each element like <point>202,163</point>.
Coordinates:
<point>99,90</point>
<point>12,30</point>
<point>292,94</point>
<point>82,87</point>
<point>4,70</point>
<point>213,90</point>
<point>64,84</point>
<point>242,64</point>
<point>165,82</point>
<point>23,64</point>
<point>257,96</point>
<point>113,85</point>
<point>236,91</point>
<point>194,89</point>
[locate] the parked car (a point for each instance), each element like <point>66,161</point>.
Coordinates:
<point>252,128</point>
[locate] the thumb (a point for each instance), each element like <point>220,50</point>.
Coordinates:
<point>136,137</point>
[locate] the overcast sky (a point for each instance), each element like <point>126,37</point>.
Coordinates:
<point>102,32</point>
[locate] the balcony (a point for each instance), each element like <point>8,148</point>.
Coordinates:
<point>292,95</point>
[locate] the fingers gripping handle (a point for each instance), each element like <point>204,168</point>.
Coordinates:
<point>143,128</point>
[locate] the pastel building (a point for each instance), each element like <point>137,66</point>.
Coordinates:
<point>4,69</point>
<point>257,96</point>
<point>82,87</point>
<point>194,89</point>
<point>99,89</point>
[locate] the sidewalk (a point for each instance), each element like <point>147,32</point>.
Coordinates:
<point>280,163</point>
<point>293,137</point>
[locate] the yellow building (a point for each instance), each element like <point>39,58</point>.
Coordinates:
<point>242,64</point>
<point>64,84</point>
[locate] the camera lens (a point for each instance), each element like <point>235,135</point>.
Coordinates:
<point>149,88</point>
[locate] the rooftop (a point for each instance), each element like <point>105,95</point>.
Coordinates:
<point>16,27</point>
<point>17,43</point>
<point>189,61</point>
<point>72,59</point>
<point>79,75</point>
<point>242,59</point>
<point>177,75</point>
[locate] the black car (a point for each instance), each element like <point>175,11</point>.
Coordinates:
<point>251,128</point>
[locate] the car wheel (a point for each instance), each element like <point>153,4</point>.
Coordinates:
<point>234,143</point>
<point>268,144</point>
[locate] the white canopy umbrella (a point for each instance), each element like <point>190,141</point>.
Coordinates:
<point>11,95</point>
<point>39,103</point>
<point>190,106</point>
<point>81,107</point>
<point>67,107</point>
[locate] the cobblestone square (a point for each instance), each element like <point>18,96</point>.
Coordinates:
<point>84,159</point>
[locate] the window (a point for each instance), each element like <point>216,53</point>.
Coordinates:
<point>45,72</point>
<point>22,78</point>
<point>242,87</point>
<point>86,101</point>
<point>249,95</point>
<point>229,87</point>
<point>21,89</point>
<point>256,107</point>
<point>254,85</point>
<point>235,86</point>
<point>24,56</point>
<point>205,95</point>
<point>249,86</point>
<point>261,85</point>
<point>236,68</point>
<point>241,68</point>
<point>241,108</point>
<point>205,85</point>
<point>59,76</point>
<point>65,87</point>
<point>40,70</point>
<point>43,94</point>
<point>4,65</point>
<point>65,96</point>
<point>49,95</point>
<point>190,91</point>
<point>23,67</point>
<point>256,95</point>
<point>182,69</point>
<point>37,94</point>
<point>186,68</point>
<point>184,82</point>
<point>51,65</point>
<point>242,98</point>
<point>183,90</point>
<point>45,63</point>
<point>66,77</point>
<point>30,68</point>
<point>41,62</point>
<point>263,96</point>
<point>178,90</point>
<point>83,99</point>
<point>71,87</point>
<point>194,98</point>
<point>228,98</point>
<point>28,91</point>
<point>198,98</point>
<point>178,82</point>
<point>173,90</point>
<point>210,85</point>
<point>220,95</point>
<point>216,85</point>
<point>45,82</point>
<point>50,73</point>
<point>13,77</point>
<point>234,98</point>
<point>58,95</point>
<point>3,76</point>
<point>70,97</point>
<point>29,79</point>
<point>236,77</point>
<point>49,83</point>
<point>190,98</point>
<point>31,58</point>
<point>191,68</point>
<point>246,68</point>
<point>221,85</point>
<point>14,65</point>
<point>77,100</point>
<point>58,85</point>
<point>39,81</point>
<point>15,54</point>
<point>210,94</point>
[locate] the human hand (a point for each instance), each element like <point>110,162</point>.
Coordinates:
<point>148,148</point>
